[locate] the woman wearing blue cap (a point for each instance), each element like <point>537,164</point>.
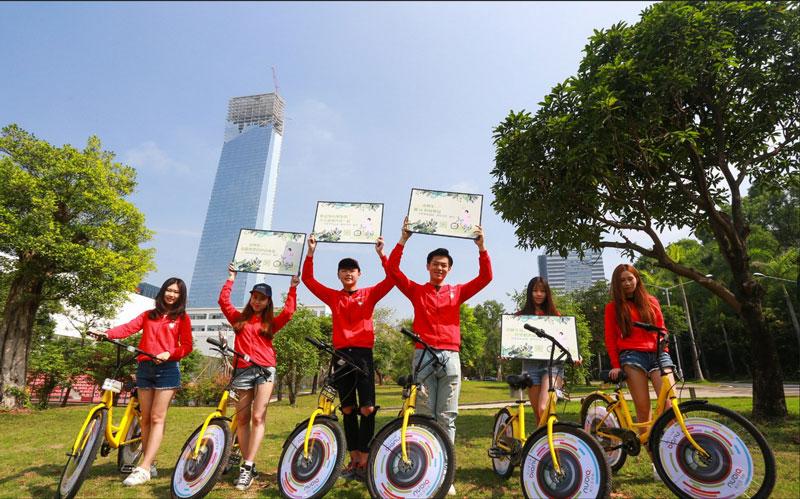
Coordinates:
<point>255,326</point>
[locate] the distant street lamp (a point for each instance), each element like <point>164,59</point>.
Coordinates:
<point>693,344</point>
<point>788,301</point>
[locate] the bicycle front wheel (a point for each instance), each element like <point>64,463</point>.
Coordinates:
<point>311,476</point>
<point>128,455</point>
<point>78,464</point>
<point>595,419</point>
<point>740,462</point>
<point>195,477</point>
<point>503,434</point>
<point>431,460</point>
<point>584,469</point>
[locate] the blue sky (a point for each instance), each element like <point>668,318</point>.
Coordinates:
<point>380,98</point>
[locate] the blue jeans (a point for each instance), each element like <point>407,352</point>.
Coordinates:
<point>646,361</point>
<point>442,386</point>
<point>537,369</point>
<point>164,376</point>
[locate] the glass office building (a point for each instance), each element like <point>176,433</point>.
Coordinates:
<point>571,273</point>
<point>243,195</point>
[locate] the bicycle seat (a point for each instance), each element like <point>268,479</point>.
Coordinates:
<point>604,377</point>
<point>519,381</point>
<point>405,381</point>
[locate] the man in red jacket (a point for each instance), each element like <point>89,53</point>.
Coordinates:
<point>437,320</point>
<point>354,335</point>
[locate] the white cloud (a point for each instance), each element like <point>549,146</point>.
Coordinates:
<point>148,155</point>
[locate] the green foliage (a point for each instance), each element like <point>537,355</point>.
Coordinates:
<point>392,352</point>
<point>488,316</point>
<point>473,340</point>
<point>296,356</point>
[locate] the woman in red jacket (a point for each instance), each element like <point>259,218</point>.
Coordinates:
<point>631,348</point>
<point>255,326</point>
<point>167,334</point>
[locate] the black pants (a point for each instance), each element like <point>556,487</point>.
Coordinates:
<point>356,391</point>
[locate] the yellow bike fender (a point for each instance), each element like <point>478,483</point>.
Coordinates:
<point>407,414</point>
<point>198,444</point>
<point>77,442</point>
<point>550,421</point>
<point>314,415</point>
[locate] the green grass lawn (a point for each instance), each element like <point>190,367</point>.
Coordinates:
<point>33,447</point>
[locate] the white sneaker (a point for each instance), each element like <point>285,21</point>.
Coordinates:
<point>137,477</point>
<point>656,476</point>
<point>452,490</point>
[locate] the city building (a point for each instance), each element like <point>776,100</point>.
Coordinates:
<point>148,290</point>
<point>571,273</point>
<point>243,195</point>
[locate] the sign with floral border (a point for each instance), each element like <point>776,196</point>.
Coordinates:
<point>443,213</point>
<point>269,252</point>
<point>338,222</point>
<point>516,342</point>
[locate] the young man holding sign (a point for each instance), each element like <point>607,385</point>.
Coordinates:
<point>353,335</point>
<point>437,321</point>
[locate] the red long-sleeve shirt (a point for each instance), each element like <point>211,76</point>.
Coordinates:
<point>158,335</point>
<point>249,340</point>
<point>639,339</point>
<point>437,318</point>
<point>351,312</point>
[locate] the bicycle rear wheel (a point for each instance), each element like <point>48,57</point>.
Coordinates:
<point>741,463</point>
<point>196,477</point>
<point>503,432</point>
<point>128,455</point>
<point>78,464</point>
<point>584,470</point>
<point>311,477</point>
<point>595,418</point>
<point>431,466</point>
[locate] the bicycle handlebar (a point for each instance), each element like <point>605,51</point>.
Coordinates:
<point>223,347</point>
<point>329,349</point>
<point>541,334</point>
<point>650,327</point>
<point>130,348</point>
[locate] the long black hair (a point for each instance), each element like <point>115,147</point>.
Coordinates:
<point>178,309</point>
<point>548,306</point>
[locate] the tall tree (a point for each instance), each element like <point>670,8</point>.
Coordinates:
<point>296,356</point>
<point>489,316</point>
<point>71,233</point>
<point>660,128</point>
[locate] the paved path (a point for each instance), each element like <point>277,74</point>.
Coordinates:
<point>708,390</point>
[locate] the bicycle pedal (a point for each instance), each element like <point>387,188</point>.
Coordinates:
<point>497,453</point>
<point>126,468</point>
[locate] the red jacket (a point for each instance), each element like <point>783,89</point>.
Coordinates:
<point>249,340</point>
<point>352,312</point>
<point>158,335</point>
<point>437,318</point>
<point>639,339</point>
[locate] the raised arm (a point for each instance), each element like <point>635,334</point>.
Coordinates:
<point>322,292</point>
<point>289,306</point>
<point>224,301</point>
<point>484,277</point>
<point>382,288</point>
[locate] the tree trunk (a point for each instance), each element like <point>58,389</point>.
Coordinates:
<point>290,383</point>
<point>769,401</point>
<point>65,399</point>
<point>22,303</point>
<point>280,388</point>
<point>314,383</point>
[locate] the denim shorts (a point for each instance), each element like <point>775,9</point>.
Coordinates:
<point>164,376</point>
<point>537,369</point>
<point>646,361</point>
<point>246,378</point>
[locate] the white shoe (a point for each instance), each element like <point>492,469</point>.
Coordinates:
<point>656,476</point>
<point>137,477</point>
<point>452,490</point>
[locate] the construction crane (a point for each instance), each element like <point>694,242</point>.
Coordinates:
<point>275,80</point>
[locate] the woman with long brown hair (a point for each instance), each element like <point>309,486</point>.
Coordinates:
<point>630,348</point>
<point>539,301</point>
<point>255,326</point>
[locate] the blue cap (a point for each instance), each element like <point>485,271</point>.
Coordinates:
<point>262,288</point>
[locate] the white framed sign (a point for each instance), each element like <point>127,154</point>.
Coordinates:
<point>443,213</point>
<point>336,222</point>
<point>269,252</point>
<point>519,343</point>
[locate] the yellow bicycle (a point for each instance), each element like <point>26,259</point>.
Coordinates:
<point>559,459</point>
<point>411,456</point>
<point>698,449</point>
<point>312,455</point>
<point>99,432</point>
<point>213,448</point>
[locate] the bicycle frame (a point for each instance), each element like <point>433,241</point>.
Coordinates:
<point>220,412</point>
<point>619,406</point>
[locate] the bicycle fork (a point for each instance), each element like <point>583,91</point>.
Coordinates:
<point>220,412</point>
<point>410,404</point>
